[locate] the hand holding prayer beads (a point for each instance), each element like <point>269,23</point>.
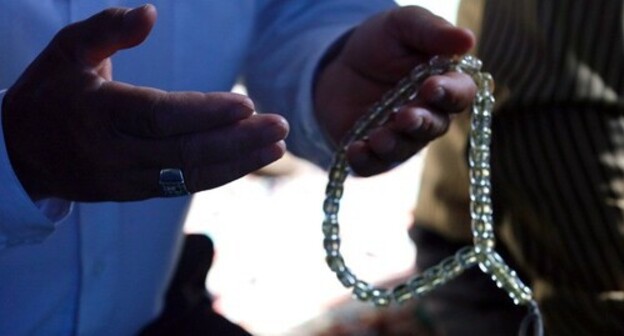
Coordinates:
<point>481,212</point>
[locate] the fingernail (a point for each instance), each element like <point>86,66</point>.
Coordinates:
<point>134,13</point>
<point>275,131</point>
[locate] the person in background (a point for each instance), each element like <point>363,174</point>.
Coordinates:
<point>98,154</point>
<point>557,170</point>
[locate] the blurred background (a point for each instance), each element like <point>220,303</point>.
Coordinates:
<point>269,272</point>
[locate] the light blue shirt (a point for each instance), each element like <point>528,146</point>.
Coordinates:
<point>102,269</point>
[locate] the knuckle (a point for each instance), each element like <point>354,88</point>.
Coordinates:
<point>64,39</point>
<point>65,33</point>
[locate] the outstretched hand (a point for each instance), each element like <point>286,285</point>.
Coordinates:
<point>74,133</point>
<point>375,56</point>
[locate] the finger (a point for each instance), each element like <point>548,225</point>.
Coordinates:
<point>230,143</point>
<point>222,173</point>
<point>413,126</point>
<point>153,113</point>
<point>202,149</point>
<point>363,162</point>
<point>418,123</point>
<point>452,92</point>
<point>406,133</point>
<point>391,147</point>
<point>420,30</point>
<point>145,184</point>
<point>100,36</point>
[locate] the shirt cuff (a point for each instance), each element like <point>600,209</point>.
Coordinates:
<point>318,148</point>
<point>23,221</point>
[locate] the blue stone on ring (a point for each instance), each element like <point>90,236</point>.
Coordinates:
<point>172,182</point>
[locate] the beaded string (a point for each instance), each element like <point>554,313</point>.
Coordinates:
<point>482,251</point>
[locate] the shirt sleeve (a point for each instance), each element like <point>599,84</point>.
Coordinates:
<point>23,221</point>
<point>290,41</point>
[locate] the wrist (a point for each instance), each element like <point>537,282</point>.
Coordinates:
<point>327,69</point>
<point>17,160</point>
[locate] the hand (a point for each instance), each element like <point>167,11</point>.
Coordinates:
<point>371,61</point>
<point>74,133</point>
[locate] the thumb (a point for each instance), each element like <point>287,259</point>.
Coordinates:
<point>93,40</point>
<point>423,31</point>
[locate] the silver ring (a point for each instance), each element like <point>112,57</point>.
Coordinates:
<point>171,182</point>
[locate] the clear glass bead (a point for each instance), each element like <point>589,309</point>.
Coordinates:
<point>480,176</point>
<point>450,268</point>
<point>331,205</point>
<point>466,257</point>
<point>470,64</point>
<point>485,81</point>
<point>480,165</point>
<point>420,285</point>
<point>419,73</point>
<point>481,140</point>
<point>332,244</point>
<point>481,192</point>
<point>337,174</point>
<point>402,293</point>
<point>480,123</point>
<point>483,247</point>
<point>434,275</point>
<point>346,278</point>
<point>484,240</point>
<point>480,209</point>
<point>336,263</point>
<point>479,155</point>
<point>380,297</point>
<point>334,191</point>
<point>362,290</point>
<point>340,161</point>
<point>479,226</point>
<point>440,62</point>
<point>331,228</point>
